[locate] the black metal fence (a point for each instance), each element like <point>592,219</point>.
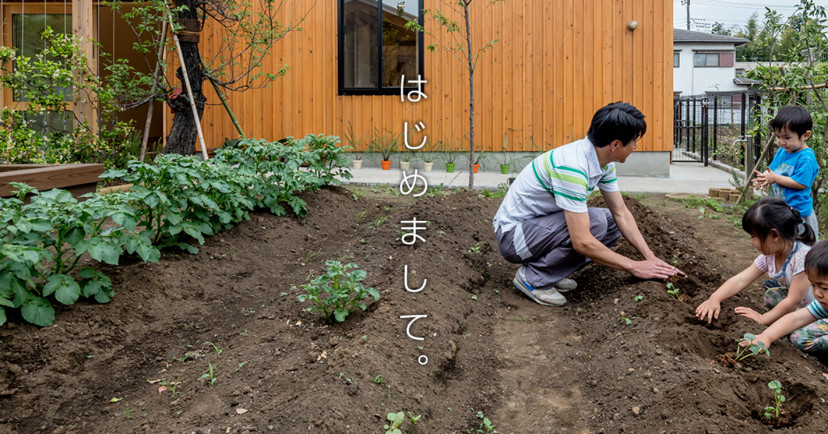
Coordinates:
<point>715,127</point>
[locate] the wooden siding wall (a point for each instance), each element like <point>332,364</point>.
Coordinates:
<point>556,63</point>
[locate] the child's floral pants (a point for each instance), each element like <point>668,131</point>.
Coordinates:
<point>813,338</point>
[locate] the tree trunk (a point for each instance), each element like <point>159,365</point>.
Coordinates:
<point>183,134</point>
<point>471,94</point>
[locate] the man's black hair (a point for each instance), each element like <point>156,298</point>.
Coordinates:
<point>816,261</point>
<point>618,120</point>
<point>796,119</point>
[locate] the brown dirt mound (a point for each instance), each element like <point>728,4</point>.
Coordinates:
<point>280,369</point>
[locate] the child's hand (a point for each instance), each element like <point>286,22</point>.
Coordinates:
<point>709,309</point>
<point>764,179</point>
<point>759,339</point>
<point>750,313</point>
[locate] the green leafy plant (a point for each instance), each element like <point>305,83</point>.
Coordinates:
<point>395,422</point>
<point>486,425</point>
<point>378,379</point>
<point>672,290</point>
<point>47,130</point>
<point>339,292</point>
<point>638,297</point>
<point>773,411</point>
<point>42,244</point>
<point>625,320</point>
<point>749,347</point>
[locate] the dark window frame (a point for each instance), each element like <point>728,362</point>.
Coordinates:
<point>379,90</point>
<point>676,59</point>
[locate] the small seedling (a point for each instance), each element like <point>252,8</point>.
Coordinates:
<point>396,420</point>
<point>745,351</point>
<point>209,375</point>
<point>414,419</point>
<point>638,297</point>
<point>773,412</point>
<point>378,379</point>
<point>217,350</point>
<point>486,426</point>
<point>625,320</point>
<point>672,290</point>
<point>241,365</point>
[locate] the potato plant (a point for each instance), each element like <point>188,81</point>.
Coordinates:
<point>41,242</point>
<point>339,292</point>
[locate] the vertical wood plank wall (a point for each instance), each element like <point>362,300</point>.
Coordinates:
<point>556,62</point>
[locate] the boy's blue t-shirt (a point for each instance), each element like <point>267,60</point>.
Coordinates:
<point>802,167</point>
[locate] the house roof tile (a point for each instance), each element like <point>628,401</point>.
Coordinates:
<point>680,35</point>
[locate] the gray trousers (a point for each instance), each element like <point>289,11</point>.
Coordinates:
<point>811,221</point>
<point>543,245</point>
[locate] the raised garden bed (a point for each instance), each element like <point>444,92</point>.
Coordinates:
<point>76,178</point>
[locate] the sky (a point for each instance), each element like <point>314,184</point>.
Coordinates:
<point>703,13</point>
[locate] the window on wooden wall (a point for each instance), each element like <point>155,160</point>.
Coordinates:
<point>375,48</point>
<point>26,29</point>
<point>713,59</point>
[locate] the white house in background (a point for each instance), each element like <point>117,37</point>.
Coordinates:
<point>704,63</point>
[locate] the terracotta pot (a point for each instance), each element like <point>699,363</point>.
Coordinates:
<point>450,167</point>
<point>427,166</point>
<point>405,165</point>
<point>357,164</point>
<point>386,164</point>
<point>476,166</point>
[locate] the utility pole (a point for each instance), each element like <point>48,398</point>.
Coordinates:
<point>687,2</point>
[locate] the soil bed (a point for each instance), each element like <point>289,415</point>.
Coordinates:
<point>528,368</point>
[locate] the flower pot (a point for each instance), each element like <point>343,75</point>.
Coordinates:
<point>450,167</point>
<point>405,165</point>
<point>357,164</point>
<point>476,166</point>
<point>504,169</point>
<point>386,164</point>
<point>427,166</point>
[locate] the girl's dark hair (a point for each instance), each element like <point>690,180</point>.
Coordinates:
<point>773,213</point>
<point>618,120</point>
<point>816,261</point>
<point>796,119</point>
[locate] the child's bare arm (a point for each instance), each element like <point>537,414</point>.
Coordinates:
<point>709,309</point>
<point>784,181</point>
<point>796,293</point>
<point>785,325</point>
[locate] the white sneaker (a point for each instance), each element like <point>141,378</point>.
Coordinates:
<point>546,297</point>
<point>565,285</point>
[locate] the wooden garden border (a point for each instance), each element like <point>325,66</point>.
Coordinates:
<point>76,178</point>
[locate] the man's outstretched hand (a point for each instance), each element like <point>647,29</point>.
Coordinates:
<point>654,269</point>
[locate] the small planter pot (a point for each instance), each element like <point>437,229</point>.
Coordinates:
<point>405,165</point>
<point>476,167</point>
<point>357,164</point>
<point>386,164</point>
<point>504,169</point>
<point>427,166</point>
<point>450,167</point>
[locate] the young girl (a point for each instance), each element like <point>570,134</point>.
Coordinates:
<point>777,231</point>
